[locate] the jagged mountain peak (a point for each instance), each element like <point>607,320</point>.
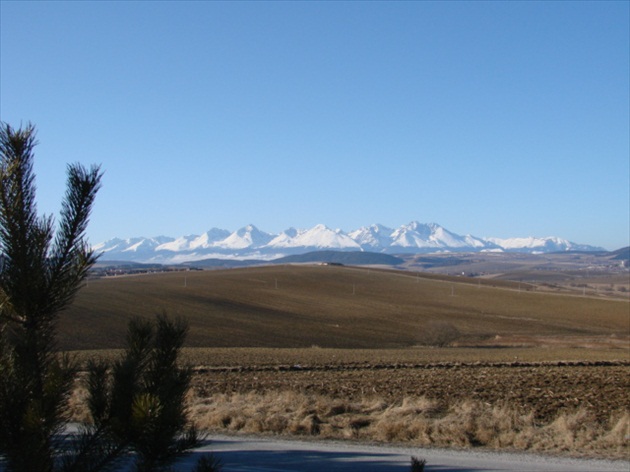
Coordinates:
<point>251,242</point>
<point>373,236</point>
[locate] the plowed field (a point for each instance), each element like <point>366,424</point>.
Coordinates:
<point>546,389</point>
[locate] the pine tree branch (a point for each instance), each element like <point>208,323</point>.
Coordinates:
<point>71,257</point>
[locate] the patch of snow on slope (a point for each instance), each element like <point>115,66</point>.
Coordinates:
<point>209,238</point>
<point>145,244</point>
<point>414,235</point>
<point>286,239</point>
<point>180,244</point>
<point>531,243</point>
<point>373,237</point>
<point>321,236</point>
<point>246,237</point>
<point>474,242</point>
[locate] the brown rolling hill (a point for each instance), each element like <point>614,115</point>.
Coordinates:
<point>329,306</point>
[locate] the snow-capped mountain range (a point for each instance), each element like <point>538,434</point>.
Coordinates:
<point>251,243</point>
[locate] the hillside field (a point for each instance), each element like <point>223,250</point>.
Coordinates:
<point>297,306</point>
<point>335,352</point>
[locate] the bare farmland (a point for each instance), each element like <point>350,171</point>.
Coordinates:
<point>333,352</point>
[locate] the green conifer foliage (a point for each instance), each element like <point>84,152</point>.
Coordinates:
<point>41,270</point>
<point>143,405</point>
<point>137,404</point>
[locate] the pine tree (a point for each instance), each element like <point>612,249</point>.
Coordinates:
<point>41,271</point>
<point>137,404</point>
<point>143,406</point>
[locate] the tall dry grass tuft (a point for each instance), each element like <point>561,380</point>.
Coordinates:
<point>417,420</point>
<point>568,432</point>
<point>77,410</point>
<point>471,423</point>
<point>578,432</point>
<point>617,436</point>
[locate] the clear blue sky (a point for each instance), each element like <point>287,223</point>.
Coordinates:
<point>491,118</point>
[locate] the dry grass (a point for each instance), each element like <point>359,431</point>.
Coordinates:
<point>494,421</point>
<point>416,420</point>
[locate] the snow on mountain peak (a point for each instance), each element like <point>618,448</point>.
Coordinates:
<point>209,238</point>
<point>320,236</point>
<point>286,239</point>
<point>250,242</point>
<point>546,244</point>
<point>373,237</point>
<point>179,244</point>
<point>246,237</point>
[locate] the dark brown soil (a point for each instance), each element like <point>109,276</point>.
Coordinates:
<point>602,388</point>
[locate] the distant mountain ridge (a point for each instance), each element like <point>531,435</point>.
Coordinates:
<point>250,242</point>
<point>342,257</point>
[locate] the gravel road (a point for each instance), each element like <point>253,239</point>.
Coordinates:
<point>248,453</point>
<point>257,454</point>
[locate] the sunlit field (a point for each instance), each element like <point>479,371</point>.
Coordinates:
<point>340,352</point>
<point>331,307</point>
